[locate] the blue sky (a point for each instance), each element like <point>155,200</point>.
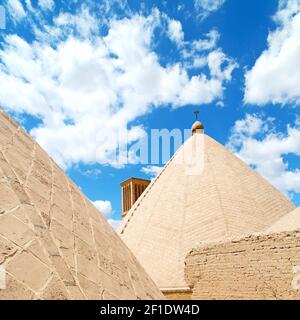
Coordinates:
<point>73,73</point>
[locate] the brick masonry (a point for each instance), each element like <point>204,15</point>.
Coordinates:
<point>254,267</point>
<point>54,244</point>
<point>178,209</point>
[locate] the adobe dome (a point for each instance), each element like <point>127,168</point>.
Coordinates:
<point>54,244</point>
<point>178,210</point>
<point>288,222</point>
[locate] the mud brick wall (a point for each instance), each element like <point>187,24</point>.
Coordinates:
<point>254,267</point>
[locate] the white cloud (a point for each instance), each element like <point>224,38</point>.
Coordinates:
<point>248,127</point>
<point>256,141</point>
<point>83,23</point>
<point>114,223</point>
<point>85,88</point>
<point>94,172</point>
<point>216,61</point>
<point>151,171</point>
<point>16,9</point>
<point>46,4</point>
<point>104,206</point>
<point>275,76</point>
<point>196,50</point>
<point>207,44</point>
<point>175,31</point>
<point>208,6</point>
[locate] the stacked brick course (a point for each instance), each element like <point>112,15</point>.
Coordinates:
<point>254,267</point>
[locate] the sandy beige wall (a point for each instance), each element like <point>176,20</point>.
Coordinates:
<point>54,244</point>
<point>255,267</point>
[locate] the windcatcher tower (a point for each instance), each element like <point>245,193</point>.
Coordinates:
<point>131,190</point>
<point>179,209</point>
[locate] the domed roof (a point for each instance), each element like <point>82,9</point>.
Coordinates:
<point>179,209</point>
<point>54,244</point>
<point>197,125</point>
<point>288,222</point>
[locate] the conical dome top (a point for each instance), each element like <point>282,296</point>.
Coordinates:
<point>197,127</point>
<point>288,222</point>
<point>180,208</point>
<point>54,244</point>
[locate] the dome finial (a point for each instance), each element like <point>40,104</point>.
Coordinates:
<point>197,125</point>
<point>196,114</point>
